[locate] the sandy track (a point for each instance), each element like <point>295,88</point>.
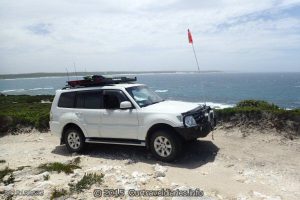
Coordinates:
<point>259,166</point>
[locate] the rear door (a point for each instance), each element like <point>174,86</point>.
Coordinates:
<point>116,122</point>
<point>87,108</point>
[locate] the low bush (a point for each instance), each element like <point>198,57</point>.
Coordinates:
<point>56,193</point>
<point>255,109</point>
<point>86,182</point>
<point>24,111</point>
<point>3,173</point>
<point>46,177</point>
<point>263,115</point>
<point>257,104</point>
<point>58,167</point>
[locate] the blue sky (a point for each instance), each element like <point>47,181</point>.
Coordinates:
<point>132,35</point>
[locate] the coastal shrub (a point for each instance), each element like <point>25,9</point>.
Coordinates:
<point>76,161</point>
<point>3,173</point>
<point>58,167</point>
<point>17,111</point>
<point>22,167</point>
<point>86,182</point>
<point>257,104</point>
<point>11,179</point>
<point>42,122</point>
<point>256,108</point>
<point>5,123</point>
<point>46,177</point>
<point>263,115</point>
<point>56,193</point>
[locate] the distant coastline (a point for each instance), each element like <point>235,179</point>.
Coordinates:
<point>62,74</point>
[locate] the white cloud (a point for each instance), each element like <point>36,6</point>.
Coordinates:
<point>148,35</point>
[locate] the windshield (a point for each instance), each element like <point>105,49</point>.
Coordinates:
<point>143,95</point>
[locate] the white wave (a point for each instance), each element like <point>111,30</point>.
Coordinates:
<point>31,89</point>
<point>217,105</point>
<point>35,89</point>
<point>5,91</point>
<point>161,91</point>
<point>11,79</point>
<point>46,88</point>
<point>14,90</point>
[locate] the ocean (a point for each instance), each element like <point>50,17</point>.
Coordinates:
<point>217,89</point>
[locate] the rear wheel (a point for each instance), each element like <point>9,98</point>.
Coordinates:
<point>165,145</point>
<point>74,140</point>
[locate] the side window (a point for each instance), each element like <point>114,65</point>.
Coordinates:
<point>66,100</point>
<point>113,98</point>
<point>79,100</point>
<point>88,100</point>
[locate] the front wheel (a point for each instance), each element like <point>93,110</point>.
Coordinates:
<point>165,145</point>
<point>74,140</point>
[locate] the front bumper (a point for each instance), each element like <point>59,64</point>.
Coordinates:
<point>206,122</point>
<point>194,132</point>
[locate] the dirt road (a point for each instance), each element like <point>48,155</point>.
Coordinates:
<point>232,166</point>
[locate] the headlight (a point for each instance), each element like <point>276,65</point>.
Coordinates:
<point>189,121</point>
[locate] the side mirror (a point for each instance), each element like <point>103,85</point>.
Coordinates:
<point>125,105</point>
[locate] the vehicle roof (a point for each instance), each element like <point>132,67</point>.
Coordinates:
<point>111,86</point>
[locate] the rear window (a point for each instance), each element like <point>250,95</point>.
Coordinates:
<point>89,100</point>
<point>66,100</point>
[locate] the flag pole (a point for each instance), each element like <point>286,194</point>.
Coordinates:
<point>192,42</point>
<point>196,57</point>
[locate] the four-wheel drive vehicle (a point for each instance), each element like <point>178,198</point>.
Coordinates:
<point>127,114</point>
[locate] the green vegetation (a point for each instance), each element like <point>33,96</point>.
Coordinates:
<point>22,167</point>
<point>56,193</point>
<point>46,177</point>
<point>24,111</point>
<point>256,109</point>
<point>76,161</point>
<point>59,167</point>
<point>262,115</point>
<point>3,173</point>
<point>11,179</point>
<point>86,182</point>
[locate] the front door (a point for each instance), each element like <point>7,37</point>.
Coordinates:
<point>116,122</point>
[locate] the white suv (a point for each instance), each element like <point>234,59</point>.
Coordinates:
<point>127,114</point>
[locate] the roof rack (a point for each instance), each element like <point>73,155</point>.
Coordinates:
<point>98,80</point>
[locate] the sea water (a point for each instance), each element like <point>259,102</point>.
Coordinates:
<point>217,89</point>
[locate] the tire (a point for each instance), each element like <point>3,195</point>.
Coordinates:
<point>165,145</point>
<point>74,140</point>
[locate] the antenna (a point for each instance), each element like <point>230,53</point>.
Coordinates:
<point>85,71</point>
<point>67,74</point>
<point>75,70</point>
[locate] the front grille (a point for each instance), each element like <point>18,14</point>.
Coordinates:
<point>199,114</point>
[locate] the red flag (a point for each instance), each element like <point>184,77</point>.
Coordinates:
<point>190,37</point>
